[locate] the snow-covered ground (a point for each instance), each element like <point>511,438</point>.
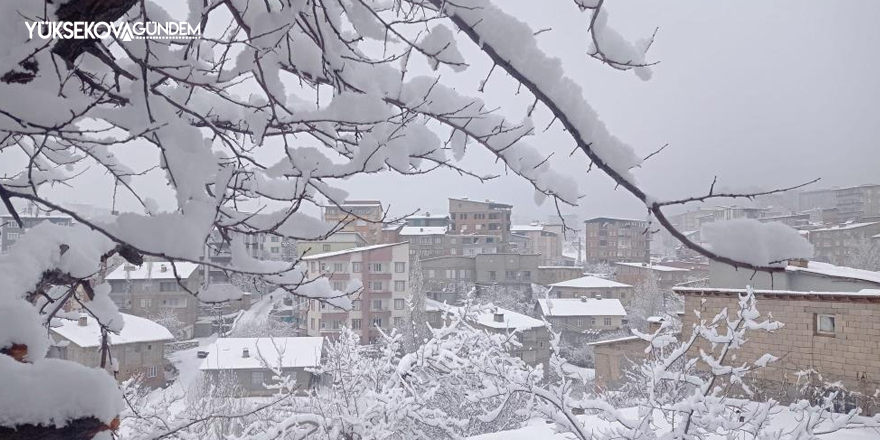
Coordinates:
<point>540,430</point>
<point>585,374</point>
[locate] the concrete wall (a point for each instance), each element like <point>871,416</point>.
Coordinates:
<point>132,359</point>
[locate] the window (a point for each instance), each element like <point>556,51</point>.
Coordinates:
<point>313,323</point>
<point>375,267</point>
<point>492,275</point>
<point>145,302</point>
<point>494,226</point>
<point>152,371</point>
<point>339,267</point>
<point>325,248</point>
<point>825,324</point>
<point>452,251</point>
<point>431,273</point>
<point>12,236</point>
<point>490,240</point>
<point>398,322</point>
<point>450,273</point>
<point>510,274</point>
<point>527,275</point>
<point>399,286</point>
<point>356,266</point>
<point>398,304</point>
<point>338,285</point>
<point>174,302</point>
<point>376,286</point>
<point>322,324</point>
<point>462,216</point>
<point>356,305</point>
<point>257,378</point>
<point>355,324</point>
<point>377,322</point>
<point>275,239</point>
<point>607,321</point>
<point>438,240</point>
<point>399,267</point>
<point>168,286</point>
<point>377,304</point>
<point>335,325</point>
<point>425,240</point>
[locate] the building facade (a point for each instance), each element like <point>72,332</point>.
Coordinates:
<point>857,202</point>
<point>638,273</point>
<point>592,287</point>
<point>339,241</point>
<point>11,232</point>
<point>580,319</point>
<point>475,217</point>
<point>553,274</point>
<point>361,216</point>
<point>542,240</point>
<point>382,270</point>
<point>610,240</point>
<point>839,243</point>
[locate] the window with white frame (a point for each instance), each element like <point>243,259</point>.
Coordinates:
<point>425,240</point>
<point>339,267</point>
<point>356,305</point>
<point>377,322</point>
<point>607,321</point>
<point>399,286</point>
<point>12,236</point>
<point>168,286</point>
<point>376,267</point>
<point>377,304</point>
<point>356,266</point>
<point>152,371</point>
<point>399,267</point>
<point>826,324</point>
<point>398,304</point>
<point>355,324</point>
<point>256,378</point>
<point>376,286</point>
<point>145,302</point>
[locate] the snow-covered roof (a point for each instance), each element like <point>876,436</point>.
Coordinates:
<point>136,330</point>
<point>422,230</point>
<point>350,251</point>
<point>613,219</point>
<point>616,340</point>
<point>589,282</point>
<point>153,271</point>
<point>845,227</point>
<point>561,267</point>
<point>657,267</point>
<point>581,307</point>
<point>527,228</point>
<point>864,293</point>
<point>510,320</point>
<point>428,216</point>
<point>227,353</point>
<point>830,270</point>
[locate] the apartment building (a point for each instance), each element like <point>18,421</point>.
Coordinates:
<point>428,220</point>
<point>448,278</point>
<point>542,239</point>
<point>480,217</point>
<point>817,199</point>
<point>152,289</point>
<point>838,243</point>
<point>11,232</point>
<point>516,271</point>
<point>426,241</point>
<point>361,216</point>
<point>857,202</point>
<point>383,271</point>
<point>610,240</point>
<point>139,349</point>
<point>338,241</point>
<point>553,274</point>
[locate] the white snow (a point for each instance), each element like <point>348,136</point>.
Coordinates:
<point>589,282</point>
<point>220,292</point>
<point>227,353</point>
<point>831,270</point>
<point>846,227</point>
<point>136,330</point>
<point>350,251</point>
<point>422,230</point>
<point>656,267</point>
<point>526,228</point>
<point>511,320</point>
<point>581,307</point>
<point>153,271</point>
<point>862,293</point>
<point>754,242</point>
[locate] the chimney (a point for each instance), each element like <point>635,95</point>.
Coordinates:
<point>799,262</point>
<point>498,316</point>
<point>83,320</point>
<point>245,353</point>
<point>598,296</point>
<point>162,268</point>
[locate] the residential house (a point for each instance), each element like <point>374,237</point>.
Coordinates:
<point>638,273</point>
<point>592,287</point>
<point>251,361</point>
<point>383,273</point>
<point>362,216</point>
<point>11,232</point>
<point>609,240</point>
<point>580,319</point>
<point>486,217</point>
<point>138,349</point>
<point>158,288</point>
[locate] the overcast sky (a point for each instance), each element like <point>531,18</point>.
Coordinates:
<point>761,93</point>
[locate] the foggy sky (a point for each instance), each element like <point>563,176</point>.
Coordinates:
<point>761,93</point>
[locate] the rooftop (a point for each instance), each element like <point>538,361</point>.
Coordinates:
<point>510,320</point>
<point>589,282</point>
<point>830,270</point>
<point>613,219</point>
<point>158,270</point>
<point>423,230</point>
<point>657,267</point>
<point>227,353</point>
<point>350,251</point>
<point>527,228</point>
<point>616,340</point>
<point>135,330</point>
<point>845,227</point>
<point>864,293</point>
<point>485,202</point>
<point>581,307</point>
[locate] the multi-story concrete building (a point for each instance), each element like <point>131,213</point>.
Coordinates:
<point>428,220</point>
<point>362,216</point>
<point>856,202</point>
<point>339,241</point>
<point>592,287</point>
<point>542,240</point>
<point>817,199</point>
<point>514,271</point>
<point>252,362</point>
<point>553,274</point>
<point>426,241</point>
<point>449,278</point>
<point>383,271</point>
<point>609,240</point>
<point>139,349</point>
<point>838,243</point>
<point>473,244</point>
<point>531,333</point>
<point>157,288</point>
<point>580,318</point>
<point>638,273</point>
<point>10,232</point>
<point>486,217</point>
